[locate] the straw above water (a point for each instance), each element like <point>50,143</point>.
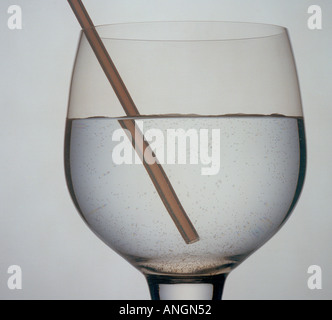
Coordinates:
<point>155,170</point>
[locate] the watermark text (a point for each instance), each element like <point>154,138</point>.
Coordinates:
<point>15,280</point>
<point>315,21</point>
<point>15,19</point>
<point>177,146</point>
<point>315,280</point>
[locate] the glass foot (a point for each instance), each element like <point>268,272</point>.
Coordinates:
<point>186,288</point>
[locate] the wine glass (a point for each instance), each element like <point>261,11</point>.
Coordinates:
<point>220,110</point>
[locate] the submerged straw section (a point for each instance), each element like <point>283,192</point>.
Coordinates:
<point>155,171</point>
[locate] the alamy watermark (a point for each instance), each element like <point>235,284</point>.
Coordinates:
<point>15,280</point>
<point>177,146</point>
<point>315,21</point>
<point>15,19</point>
<point>315,280</point>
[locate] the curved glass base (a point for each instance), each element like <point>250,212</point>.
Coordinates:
<point>186,288</point>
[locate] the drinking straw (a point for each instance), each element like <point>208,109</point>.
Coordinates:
<point>155,170</point>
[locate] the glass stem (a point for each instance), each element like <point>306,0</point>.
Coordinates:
<point>186,288</point>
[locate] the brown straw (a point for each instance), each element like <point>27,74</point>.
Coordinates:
<point>155,170</point>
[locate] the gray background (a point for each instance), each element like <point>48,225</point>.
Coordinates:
<point>40,229</point>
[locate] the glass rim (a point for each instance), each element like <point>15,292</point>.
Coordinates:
<point>241,31</point>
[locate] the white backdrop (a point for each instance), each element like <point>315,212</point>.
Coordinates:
<point>40,229</point>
